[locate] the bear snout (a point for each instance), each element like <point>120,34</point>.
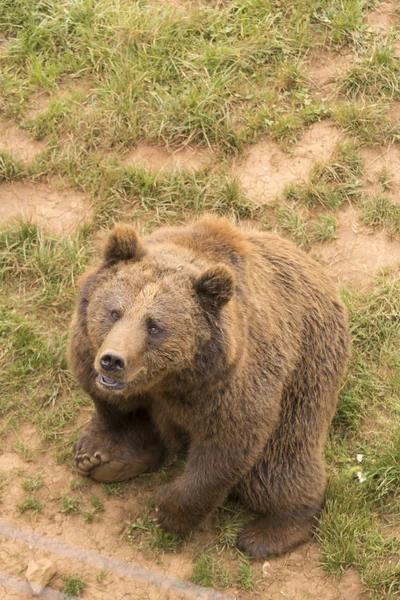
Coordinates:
<point>112,362</point>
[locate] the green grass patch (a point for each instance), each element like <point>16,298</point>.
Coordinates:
<point>209,572</point>
<point>378,211</point>
<point>376,75</point>
<point>30,504</point>
<point>143,534</point>
<point>369,123</point>
<point>197,73</point>
<point>73,585</point>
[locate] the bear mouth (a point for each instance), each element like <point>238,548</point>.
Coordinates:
<point>108,382</point>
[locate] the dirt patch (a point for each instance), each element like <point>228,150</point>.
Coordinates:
<point>18,143</point>
<point>158,159</point>
<point>10,461</point>
<point>325,69</point>
<point>382,164</point>
<point>384,17</point>
<point>266,169</point>
<point>296,575</point>
<point>58,210</point>
<point>357,256</point>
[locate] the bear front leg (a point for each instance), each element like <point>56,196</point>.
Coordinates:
<point>210,474</point>
<point>118,446</point>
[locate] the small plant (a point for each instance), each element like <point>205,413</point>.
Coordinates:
<point>379,211</point>
<point>30,503</point>
<point>97,507</point>
<point>115,490</point>
<point>69,505</point>
<point>142,533</point>
<point>244,579</point>
<point>73,585</point>
<point>207,571</point>
<point>23,450</point>
<point>32,484</point>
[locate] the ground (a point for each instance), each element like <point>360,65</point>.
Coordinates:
<point>285,116</point>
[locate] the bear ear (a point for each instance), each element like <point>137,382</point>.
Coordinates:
<point>123,244</point>
<point>216,285</point>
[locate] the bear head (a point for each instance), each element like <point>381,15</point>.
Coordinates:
<point>153,314</point>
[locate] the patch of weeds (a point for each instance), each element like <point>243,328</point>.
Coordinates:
<point>97,506</point>
<point>370,123</point>
<point>244,578</point>
<point>297,225</point>
<point>323,229</point>
<point>32,367</point>
<point>376,75</point>
<point>101,576</point>
<point>375,335</point>
<point>51,265</point>
<point>10,167</point>
<point>77,483</point>
<point>385,178</point>
<point>30,504</point>
<point>143,534</point>
<point>73,585</point>
<point>287,128</point>
<point>378,211</point>
<point>69,505</point>
<point>343,21</point>
<point>114,490</point>
<point>23,451</point>
<point>229,520</point>
<point>3,483</point>
<point>209,572</point>
<point>32,484</point>
<point>332,182</point>
<point>362,496</point>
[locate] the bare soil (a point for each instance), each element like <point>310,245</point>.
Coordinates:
<point>266,169</point>
<point>382,161</point>
<point>359,254</point>
<point>159,158</point>
<point>385,17</point>
<point>18,142</point>
<point>325,69</point>
<point>57,210</point>
<point>296,575</point>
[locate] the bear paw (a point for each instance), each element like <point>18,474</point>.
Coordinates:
<point>104,460</point>
<point>267,536</point>
<point>102,468</point>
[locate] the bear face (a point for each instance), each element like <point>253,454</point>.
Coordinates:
<point>147,315</point>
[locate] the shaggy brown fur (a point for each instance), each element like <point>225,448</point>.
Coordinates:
<point>231,342</point>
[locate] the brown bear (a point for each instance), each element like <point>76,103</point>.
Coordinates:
<point>229,342</point>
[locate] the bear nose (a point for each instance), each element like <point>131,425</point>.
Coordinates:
<point>112,362</point>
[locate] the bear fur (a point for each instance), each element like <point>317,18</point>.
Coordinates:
<point>230,343</point>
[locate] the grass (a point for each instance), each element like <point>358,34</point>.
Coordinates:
<point>370,123</point>
<point>143,534</point>
<point>376,75</point>
<point>207,571</point>
<point>73,585</point>
<point>352,527</point>
<point>177,75</point>
<point>30,504</point>
<point>106,76</point>
<point>32,484</point>
<point>379,211</point>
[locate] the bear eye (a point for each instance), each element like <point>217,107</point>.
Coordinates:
<point>114,315</point>
<point>153,329</point>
